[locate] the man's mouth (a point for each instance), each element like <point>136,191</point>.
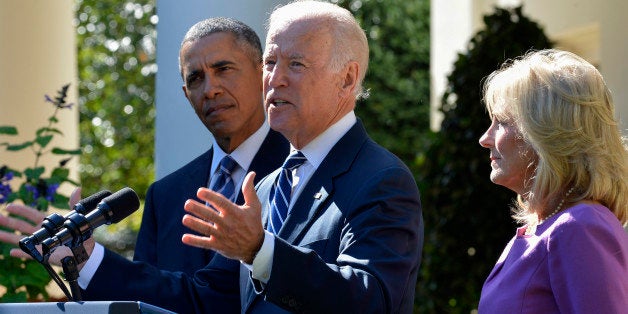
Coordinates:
<point>278,102</point>
<point>211,110</point>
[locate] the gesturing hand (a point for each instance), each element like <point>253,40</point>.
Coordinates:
<point>31,222</point>
<point>232,230</point>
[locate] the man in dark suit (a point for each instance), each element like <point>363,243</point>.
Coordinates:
<point>337,229</point>
<point>351,240</point>
<point>220,63</point>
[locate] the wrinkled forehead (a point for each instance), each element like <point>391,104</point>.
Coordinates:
<point>301,38</point>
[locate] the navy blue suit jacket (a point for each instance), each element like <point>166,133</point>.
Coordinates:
<point>351,244</point>
<point>159,239</point>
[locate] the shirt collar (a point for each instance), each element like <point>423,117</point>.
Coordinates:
<point>244,153</point>
<point>317,149</point>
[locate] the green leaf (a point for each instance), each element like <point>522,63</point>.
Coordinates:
<point>72,182</point>
<point>34,173</point>
<point>12,197</point>
<point>61,151</point>
<point>61,202</point>
<point>59,175</point>
<point>43,141</point>
<point>18,147</point>
<point>16,173</point>
<point>38,274</point>
<point>8,130</point>
<point>42,204</point>
<point>12,297</point>
<point>48,130</point>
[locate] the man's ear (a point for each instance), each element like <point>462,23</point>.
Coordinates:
<point>185,91</point>
<point>350,78</point>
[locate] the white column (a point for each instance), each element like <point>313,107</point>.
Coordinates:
<point>179,135</point>
<point>37,57</point>
<point>451,27</point>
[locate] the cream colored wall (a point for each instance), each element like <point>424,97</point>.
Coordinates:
<point>37,57</point>
<point>602,22</point>
<point>593,29</point>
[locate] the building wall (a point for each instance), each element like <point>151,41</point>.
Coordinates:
<point>37,57</point>
<point>593,29</point>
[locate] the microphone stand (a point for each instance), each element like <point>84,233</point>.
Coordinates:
<point>70,269</point>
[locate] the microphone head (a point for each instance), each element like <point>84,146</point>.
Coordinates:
<point>87,204</point>
<point>122,204</point>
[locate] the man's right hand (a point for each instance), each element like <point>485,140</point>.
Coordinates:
<point>31,222</point>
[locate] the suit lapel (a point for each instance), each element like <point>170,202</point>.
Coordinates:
<point>310,203</point>
<point>269,157</point>
<point>321,185</point>
<point>199,174</point>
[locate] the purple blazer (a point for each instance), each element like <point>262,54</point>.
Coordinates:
<point>575,262</point>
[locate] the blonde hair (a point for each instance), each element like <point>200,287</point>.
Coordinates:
<point>563,109</point>
<point>350,42</point>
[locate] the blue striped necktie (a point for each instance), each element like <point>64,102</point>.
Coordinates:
<point>224,183</point>
<point>282,191</point>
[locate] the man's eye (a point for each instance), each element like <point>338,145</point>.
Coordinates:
<point>193,80</point>
<point>296,64</point>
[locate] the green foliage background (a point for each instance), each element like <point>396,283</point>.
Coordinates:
<point>396,114</point>
<point>116,61</point>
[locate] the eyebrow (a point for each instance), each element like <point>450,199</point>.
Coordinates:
<point>221,63</point>
<point>215,65</point>
<point>274,53</point>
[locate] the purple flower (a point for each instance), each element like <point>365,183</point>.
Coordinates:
<point>51,191</point>
<point>34,191</point>
<point>59,101</point>
<point>5,188</point>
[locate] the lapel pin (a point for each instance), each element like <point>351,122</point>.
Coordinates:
<point>318,195</point>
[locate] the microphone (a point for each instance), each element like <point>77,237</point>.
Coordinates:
<point>78,227</point>
<point>53,222</point>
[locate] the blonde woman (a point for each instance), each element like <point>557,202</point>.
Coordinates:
<point>553,139</point>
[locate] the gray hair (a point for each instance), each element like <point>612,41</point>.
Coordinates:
<point>350,44</point>
<point>244,35</point>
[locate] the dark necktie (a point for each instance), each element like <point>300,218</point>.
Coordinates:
<point>282,191</point>
<point>224,183</point>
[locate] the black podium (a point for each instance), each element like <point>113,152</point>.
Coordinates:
<point>90,307</point>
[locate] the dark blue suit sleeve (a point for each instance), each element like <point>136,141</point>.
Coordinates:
<point>214,290</point>
<point>146,244</point>
<point>372,265</point>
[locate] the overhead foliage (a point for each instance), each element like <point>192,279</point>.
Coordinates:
<point>116,61</point>
<point>467,217</point>
<point>396,114</point>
